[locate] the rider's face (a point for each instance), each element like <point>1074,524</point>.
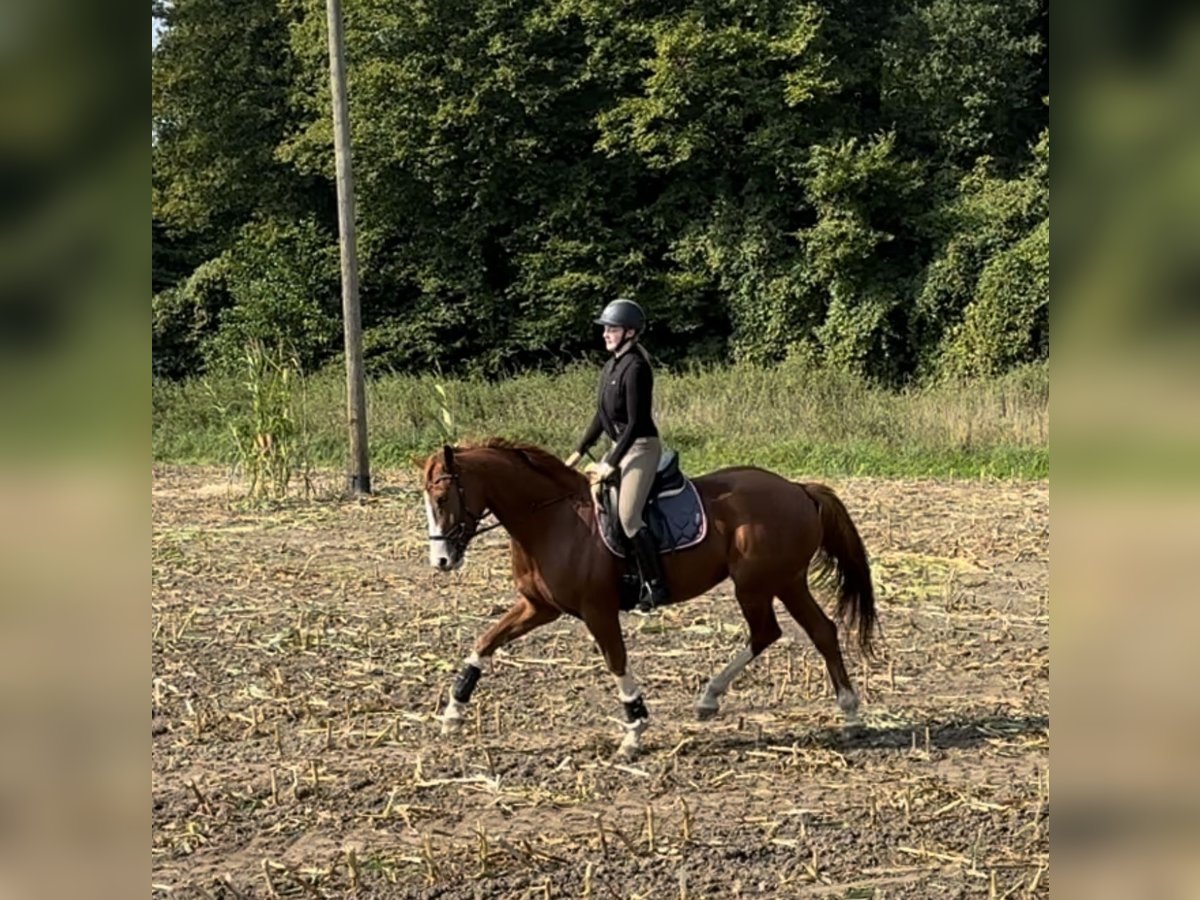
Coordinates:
<point>613,336</point>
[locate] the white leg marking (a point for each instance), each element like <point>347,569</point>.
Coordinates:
<point>709,701</point>
<point>627,688</point>
<point>631,742</point>
<point>455,712</point>
<point>453,716</point>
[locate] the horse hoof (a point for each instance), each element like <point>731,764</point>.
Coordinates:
<point>704,713</point>
<point>851,718</point>
<point>451,726</point>
<point>631,742</point>
<point>627,752</point>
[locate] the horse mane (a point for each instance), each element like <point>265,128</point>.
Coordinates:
<point>533,456</point>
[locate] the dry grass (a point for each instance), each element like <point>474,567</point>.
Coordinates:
<point>785,417</point>
<point>300,655</point>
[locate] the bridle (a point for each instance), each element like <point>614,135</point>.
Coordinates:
<point>468,526</point>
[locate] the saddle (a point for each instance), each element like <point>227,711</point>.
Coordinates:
<point>674,512</point>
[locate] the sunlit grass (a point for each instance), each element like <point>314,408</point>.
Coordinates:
<point>789,418</point>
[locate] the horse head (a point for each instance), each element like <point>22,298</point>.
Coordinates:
<point>512,480</point>
<point>452,512</point>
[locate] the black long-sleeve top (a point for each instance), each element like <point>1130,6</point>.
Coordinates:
<point>622,404</point>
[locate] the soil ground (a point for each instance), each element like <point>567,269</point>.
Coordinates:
<point>301,654</point>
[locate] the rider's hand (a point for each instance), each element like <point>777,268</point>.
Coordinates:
<point>603,471</point>
<point>573,460</point>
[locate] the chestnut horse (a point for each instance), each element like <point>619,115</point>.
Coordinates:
<point>763,532</point>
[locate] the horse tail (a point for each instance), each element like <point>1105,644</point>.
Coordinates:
<point>842,563</point>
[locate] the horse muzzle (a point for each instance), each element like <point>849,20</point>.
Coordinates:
<point>444,557</point>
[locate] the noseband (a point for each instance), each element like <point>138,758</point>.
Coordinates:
<point>468,527</point>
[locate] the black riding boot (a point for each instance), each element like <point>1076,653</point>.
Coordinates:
<point>650,565</point>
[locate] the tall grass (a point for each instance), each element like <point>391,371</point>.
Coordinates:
<point>787,417</point>
<point>263,414</point>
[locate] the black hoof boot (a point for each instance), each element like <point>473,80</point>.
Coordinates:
<point>654,590</point>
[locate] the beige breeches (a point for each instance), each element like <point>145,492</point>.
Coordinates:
<point>638,469</point>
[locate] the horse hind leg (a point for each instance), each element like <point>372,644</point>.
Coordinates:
<point>799,602</point>
<point>759,613</point>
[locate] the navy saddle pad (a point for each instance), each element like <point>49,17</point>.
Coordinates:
<point>674,513</point>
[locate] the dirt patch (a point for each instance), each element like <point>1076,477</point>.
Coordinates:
<point>300,655</point>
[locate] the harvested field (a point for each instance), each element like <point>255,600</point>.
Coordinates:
<point>301,655</point>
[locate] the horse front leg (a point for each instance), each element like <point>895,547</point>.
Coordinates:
<point>605,627</point>
<point>522,617</point>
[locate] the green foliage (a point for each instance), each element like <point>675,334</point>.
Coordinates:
<point>794,417</point>
<point>961,78</point>
<point>1009,321</point>
<point>264,418</point>
<point>445,415</point>
<point>720,84</point>
<point>221,75</point>
<point>283,281</point>
<point>171,259</point>
<point>183,316</point>
<point>984,304</point>
<point>865,199</point>
<point>847,183</point>
<point>751,263</point>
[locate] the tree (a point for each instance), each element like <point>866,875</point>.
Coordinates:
<point>864,252</point>
<point>283,280</point>
<point>846,179</point>
<point>222,73</point>
<point>963,79</point>
<point>985,302</point>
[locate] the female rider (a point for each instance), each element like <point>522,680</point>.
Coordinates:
<point>624,414</point>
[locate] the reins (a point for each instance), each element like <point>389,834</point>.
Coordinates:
<point>537,506</point>
<point>472,530</point>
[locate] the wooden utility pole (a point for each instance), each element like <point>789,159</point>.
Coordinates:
<point>356,393</point>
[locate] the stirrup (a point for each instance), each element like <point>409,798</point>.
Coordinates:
<point>646,603</point>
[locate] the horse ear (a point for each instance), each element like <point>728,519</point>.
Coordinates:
<point>447,457</point>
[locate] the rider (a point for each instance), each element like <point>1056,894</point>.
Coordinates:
<point>626,387</point>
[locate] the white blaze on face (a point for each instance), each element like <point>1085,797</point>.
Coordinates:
<point>438,549</point>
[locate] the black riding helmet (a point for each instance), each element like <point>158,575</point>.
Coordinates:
<point>622,313</point>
